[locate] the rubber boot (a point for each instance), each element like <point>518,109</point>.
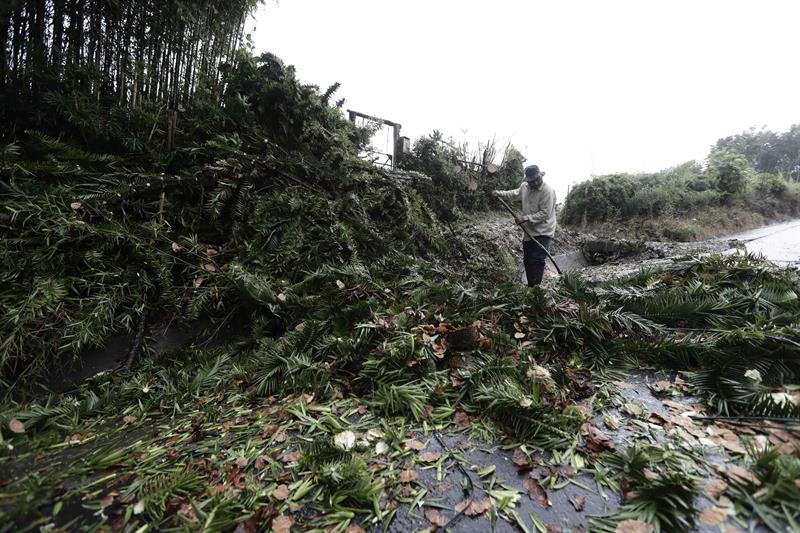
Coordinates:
<point>534,272</point>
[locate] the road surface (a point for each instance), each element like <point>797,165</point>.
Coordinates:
<point>779,242</point>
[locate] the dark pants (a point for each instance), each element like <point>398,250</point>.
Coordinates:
<point>533,258</point>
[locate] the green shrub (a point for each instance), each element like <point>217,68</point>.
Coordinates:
<point>730,171</point>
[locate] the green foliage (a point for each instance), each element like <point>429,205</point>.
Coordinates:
<point>730,170</point>
<point>728,181</point>
<point>460,178</point>
<point>661,489</point>
<point>767,151</point>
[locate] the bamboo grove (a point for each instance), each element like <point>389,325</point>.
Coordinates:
<point>118,53</point>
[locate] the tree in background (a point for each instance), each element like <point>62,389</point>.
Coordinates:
<point>730,170</point>
<point>767,151</point>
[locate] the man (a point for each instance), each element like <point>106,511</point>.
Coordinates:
<point>538,217</point>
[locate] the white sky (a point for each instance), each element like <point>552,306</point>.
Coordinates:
<point>580,87</point>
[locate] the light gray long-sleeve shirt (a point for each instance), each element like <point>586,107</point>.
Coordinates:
<point>538,208</point>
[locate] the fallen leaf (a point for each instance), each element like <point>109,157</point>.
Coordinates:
<point>75,205</point>
<point>407,476</point>
<point>211,267</point>
<point>281,493</point>
<point>210,252</point>
<point>611,422</point>
<point>479,507</point>
<point>262,461</point>
<point>461,419</point>
<point>281,436</point>
<point>16,426</point>
<point>108,499</point>
<point>435,517</point>
<point>139,507</point>
<point>633,409</point>
<point>519,335</point>
<point>177,248</point>
<point>520,459</point>
<point>578,502</point>
<point>381,447</point>
<point>661,385</point>
<point>633,526</point>
<point>596,440</point>
<point>414,444</point>
<point>473,508</point>
<point>354,528</point>
<point>129,419</point>
<point>536,492</point>
<point>739,475</point>
<point>282,524</point>
<point>429,457</point>
<point>241,462</point>
<point>340,284</point>
<point>713,516</point>
<point>291,457</point>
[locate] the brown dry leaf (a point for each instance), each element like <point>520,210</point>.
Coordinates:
<point>477,508</point>
<point>713,516</point>
<point>676,406</point>
<point>177,248</point>
<point>210,252</point>
<point>241,462</point>
<point>661,385</point>
<point>211,267</point>
<point>715,487</point>
<point>414,444</point>
<point>75,205</point>
<point>460,506</point>
<point>129,419</point>
<point>407,476</point>
<point>435,517</point>
<point>578,502</point>
<point>108,499</point>
<point>291,457</point>
<point>262,461</point>
<point>633,526</point>
<point>16,426</point>
<point>354,528</point>
<point>536,492</point>
<point>281,436</point>
<point>726,438</point>
<point>461,419</point>
<point>281,493</point>
<point>282,524</point>
<point>520,459</point>
<point>429,457</point>
<point>596,440</point>
<point>739,475</point>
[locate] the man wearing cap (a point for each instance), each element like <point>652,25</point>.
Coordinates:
<point>538,217</point>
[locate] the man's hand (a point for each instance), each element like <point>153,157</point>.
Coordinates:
<point>519,220</point>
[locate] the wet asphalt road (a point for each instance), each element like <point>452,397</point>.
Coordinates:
<point>779,242</point>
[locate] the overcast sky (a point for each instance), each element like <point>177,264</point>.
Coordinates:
<point>580,87</point>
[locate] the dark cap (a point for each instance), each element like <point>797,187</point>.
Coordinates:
<point>532,172</point>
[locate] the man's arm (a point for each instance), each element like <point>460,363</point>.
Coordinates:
<point>548,201</point>
<point>512,193</point>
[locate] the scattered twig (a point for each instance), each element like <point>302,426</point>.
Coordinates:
<point>137,341</point>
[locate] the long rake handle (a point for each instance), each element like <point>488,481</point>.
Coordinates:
<point>513,214</point>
